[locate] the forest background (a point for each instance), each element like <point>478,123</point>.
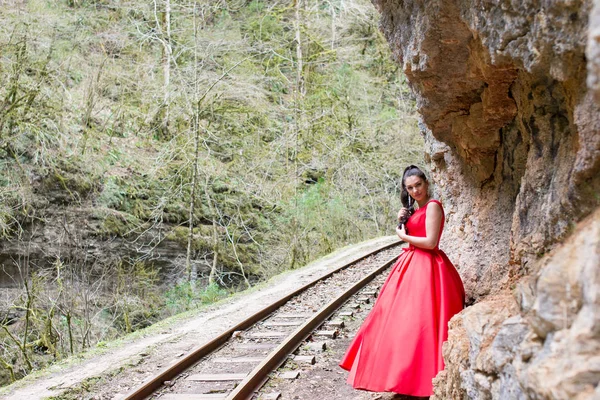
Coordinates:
<point>157,156</point>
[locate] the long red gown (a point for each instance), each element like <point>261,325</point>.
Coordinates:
<point>398,348</point>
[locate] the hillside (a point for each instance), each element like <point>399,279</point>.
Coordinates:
<point>158,156</point>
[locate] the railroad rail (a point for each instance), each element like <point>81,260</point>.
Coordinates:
<point>246,383</point>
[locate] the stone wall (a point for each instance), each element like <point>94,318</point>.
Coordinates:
<point>509,95</point>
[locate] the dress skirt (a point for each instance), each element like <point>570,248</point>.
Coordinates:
<point>399,346</point>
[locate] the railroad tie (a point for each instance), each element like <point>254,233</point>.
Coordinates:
<point>271,396</point>
<point>223,360</point>
<point>329,334</point>
<point>335,323</point>
<point>268,335</point>
<point>283,323</point>
<point>255,346</point>
<point>188,396</point>
<point>317,346</point>
<point>216,377</point>
<point>303,316</point>
<point>304,359</point>
<point>289,375</point>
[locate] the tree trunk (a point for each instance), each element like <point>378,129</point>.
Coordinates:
<point>332,25</point>
<point>215,249</point>
<point>191,271</point>
<point>215,234</point>
<point>167,66</point>
<point>299,124</point>
<point>299,60</point>
<point>165,32</point>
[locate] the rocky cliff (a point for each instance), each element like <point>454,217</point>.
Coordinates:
<point>509,95</point>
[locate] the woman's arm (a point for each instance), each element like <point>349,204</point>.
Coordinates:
<point>433,221</point>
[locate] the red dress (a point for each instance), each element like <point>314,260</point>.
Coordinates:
<point>398,348</point>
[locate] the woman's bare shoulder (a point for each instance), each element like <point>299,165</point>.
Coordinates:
<point>434,207</point>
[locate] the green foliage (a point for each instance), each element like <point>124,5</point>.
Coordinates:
<point>118,224</point>
<point>212,293</point>
<point>112,194</point>
<point>256,6</point>
<point>265,28</point>
<point>200,239</point>
<point>136,297</point>
<point>180,297</point>
<point>183,297</point>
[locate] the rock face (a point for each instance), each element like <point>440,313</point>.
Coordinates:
<point>509,95</point>
<point>541,342</point>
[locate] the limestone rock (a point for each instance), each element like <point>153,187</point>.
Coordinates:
<point>509,95</point>
<point>496,350</point>
<point>567,315</point>
<point>482,343</point>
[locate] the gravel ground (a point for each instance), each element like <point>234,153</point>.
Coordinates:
<point>109,373</point>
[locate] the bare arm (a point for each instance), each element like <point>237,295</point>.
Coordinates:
<point>433,221</point>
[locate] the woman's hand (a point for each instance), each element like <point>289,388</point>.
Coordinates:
<point>402,213</point>
<point>401,232</point>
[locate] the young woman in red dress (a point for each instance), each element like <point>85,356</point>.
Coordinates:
<point>398,348</point>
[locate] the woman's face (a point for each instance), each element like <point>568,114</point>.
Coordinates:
<point>416,187</point>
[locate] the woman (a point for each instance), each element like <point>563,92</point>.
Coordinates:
<point>399,346</point>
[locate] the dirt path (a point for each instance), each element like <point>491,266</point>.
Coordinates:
<point>118,369</point>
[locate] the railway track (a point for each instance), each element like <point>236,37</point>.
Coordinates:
<point>235,364</point>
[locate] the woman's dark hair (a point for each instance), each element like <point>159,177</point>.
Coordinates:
<point>407,201</point>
